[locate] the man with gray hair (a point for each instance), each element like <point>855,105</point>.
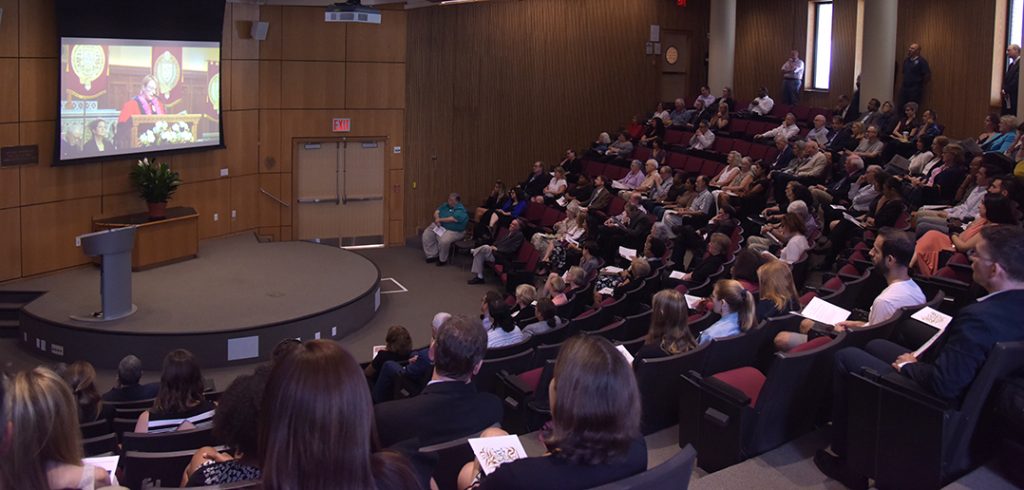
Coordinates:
<point>1011,79</point>
<point>449,226</point>
<point>416,370</point>
<point>127,388</point>
<point>839,190</point>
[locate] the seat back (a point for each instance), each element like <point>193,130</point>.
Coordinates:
<point>673,474</point>
<point>590,320</point>
<point>129,413</point>
<point>94,446</point>
<point>446,459</point>
<point>132,404</point>
<point>508,350</point>
<point>143,470</point>
<point>636,326</point>
<point>734,351</point>
<point>163,442</point>
<point>486,379</point>
<point>534,212</point>
<point>790,396</point>
<point>658,381</point>
<point>95,428</point>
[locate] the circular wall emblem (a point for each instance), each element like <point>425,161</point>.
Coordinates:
<point>213,91</point>
<point>88,60</point>
<point>671,55</point>
<point>167,72</point>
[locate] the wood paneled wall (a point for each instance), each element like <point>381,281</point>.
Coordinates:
<point>286,87</point>
<point>956,38</point>
<point>494,86</point>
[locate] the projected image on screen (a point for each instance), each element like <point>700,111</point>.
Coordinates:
<point>120,97</point>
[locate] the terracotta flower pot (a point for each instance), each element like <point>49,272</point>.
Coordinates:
<point>158,210</point>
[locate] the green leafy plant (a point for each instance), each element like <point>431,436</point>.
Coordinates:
<point>156,182</point>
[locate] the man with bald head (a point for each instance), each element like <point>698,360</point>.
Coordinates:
<point>1011,79</point>
<point>916,75</point>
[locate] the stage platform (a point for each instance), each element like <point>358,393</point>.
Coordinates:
<point>231,305</point>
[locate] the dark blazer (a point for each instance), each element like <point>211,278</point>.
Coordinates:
<point>949,366</point>
<point>534,184</point>
<point>442,412</point>
<point>599,200</point>
<point>509,244</point>
<point>1011,78</point>
<point>132,393</point>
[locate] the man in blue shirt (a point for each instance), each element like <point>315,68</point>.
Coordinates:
<point>449,226</point>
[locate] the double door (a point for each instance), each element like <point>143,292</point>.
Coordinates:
<point>340,189</point>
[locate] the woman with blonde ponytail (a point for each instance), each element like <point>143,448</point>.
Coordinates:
<point>736,305</point>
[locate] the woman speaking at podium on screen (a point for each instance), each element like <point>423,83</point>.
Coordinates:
<point>146,102</point>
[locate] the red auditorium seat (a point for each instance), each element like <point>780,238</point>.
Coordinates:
<point>642,153</point>
<point>676,160</point>
<point>741,146</point>
<point>738,126</point>
<point>674,137</point>
<point>693,165</point>
<point>722,145</point>
<point>801,113</point>
<point>616,206</point>
<point>592,168</point>
<point>771,154</point>
<point>710,168</point>
<point>615,172</point>
<point>780,110</point>
<point>534,212</point>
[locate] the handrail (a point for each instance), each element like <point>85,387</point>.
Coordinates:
<point>279,201</point>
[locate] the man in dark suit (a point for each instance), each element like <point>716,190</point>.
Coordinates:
<point>947,368</point>
<point>502,252</point>
<point>600,197</point>
<point>1010,80</point>
<point>450,406</point>
<point>128,389</point>
<point>537,180</point>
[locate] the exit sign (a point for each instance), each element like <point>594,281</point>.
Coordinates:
<point>341,125</point>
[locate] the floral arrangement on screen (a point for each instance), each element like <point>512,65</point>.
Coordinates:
<point>156,182</point>
<point>161,133</point>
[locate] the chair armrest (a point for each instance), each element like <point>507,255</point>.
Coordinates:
<point>517,388</point>
<point>907,388</point>
<point>725,390</point>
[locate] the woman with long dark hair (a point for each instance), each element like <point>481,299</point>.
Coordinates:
<point>316,426</point>
<point>595,425</point>
<point>81,378</point>
<point>669,333</point>
<point>180,403</point>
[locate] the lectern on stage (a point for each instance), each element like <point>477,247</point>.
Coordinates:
<point>115,248</point>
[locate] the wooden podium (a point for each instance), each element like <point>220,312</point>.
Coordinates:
<point>138,119</point>
<point>161,241</point>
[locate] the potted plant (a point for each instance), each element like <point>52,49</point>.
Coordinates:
<point>156,183</point>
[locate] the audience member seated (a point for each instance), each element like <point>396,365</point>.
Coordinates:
<point>502,329</point>
<point>416,370</point>
<point>41,430</point>
<point>703,267</point>
<point>887,119</point>
<point>538,179</point>
<point>397,348</point>
<point>669,333</point>
<point>762,104</point>
<point>316,426</point>
<point>1001,141</point>
<point>555,189</point>
<point>946,368</point>
<point>601,144</point>
<point>599,198</point>
<point>741,180</point>
<point>492,202</point>
<point>450,406</point>
<point>546,319</point>
<point>906,128</point>
<point>885,212</point>
<point>810,167</point>
<point>503,251</point>
<point>727,99</point>
<point>735,305</point>
<point>679,115</point>
<point>840,190</point>
<point>844,109</point>
<point>750,196</point>
<point>635,129</point>
<point>689,239</point>
<point>790,234</point>
<point>991,127</point>
<point>995,210</point>
<point>745,269</point>
<point>622,147</point>
<point>819,133</point>
<point>870,147</point>
<point>703,138</point>
<point>571,228</point>
<point>842,137</point>
<point>81,378</point>
<point>449,226</point>
<point>655,130</point>
<point>126,387</point>
<point>705,97</point>
<point>630,233</point>
<point>967,208</point>
<point>180,403</point>
<point>699,210</point>
<point>720,121</point>
<point>788,129</point>
<point>729,172</point>
<point>652,178</point>
<point>588,444</point>
<point>890,253</point>
<point>777,292</point>
<point>870,116</point>
<point>620,282</point>
<point>235,425</point>
<point>923,162</point>
<point>511,207</point>
<point>940,185</point>
<point>632,179</point>
<point>785,153</point>
<point>571,163</point>
<point>658,152</point>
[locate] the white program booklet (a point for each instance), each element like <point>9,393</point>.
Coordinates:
<point>562,201</point>
<point>611,269</point>
<point>934,207</point>
<point>377,349</point>
<point>627,253</point>
<point>108,463</point>
<point>619,185</point>
<point>625,353</point>
<point>822,311</point>
<point>836,206</point>
<point>676,275</point>
<point>439,230</point>
<point>692,301</point>
<point>933,318</point>
<point>853,220</point>
<point>606,292</point>
<point>492,452</point>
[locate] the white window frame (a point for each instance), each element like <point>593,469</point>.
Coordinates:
<point>818,73</point>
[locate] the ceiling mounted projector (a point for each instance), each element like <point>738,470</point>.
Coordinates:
<point>352,11</point>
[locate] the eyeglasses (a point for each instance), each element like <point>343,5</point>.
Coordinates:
<point>974,255</point>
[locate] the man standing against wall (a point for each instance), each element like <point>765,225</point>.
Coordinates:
<point>792,78</point>
<point>916,73</point>
<point>1010,80</point>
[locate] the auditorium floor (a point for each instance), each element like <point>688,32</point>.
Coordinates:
<point>432,289</point>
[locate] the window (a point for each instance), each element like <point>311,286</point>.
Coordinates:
<point>821,44</point>
<point>1014,21</point>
